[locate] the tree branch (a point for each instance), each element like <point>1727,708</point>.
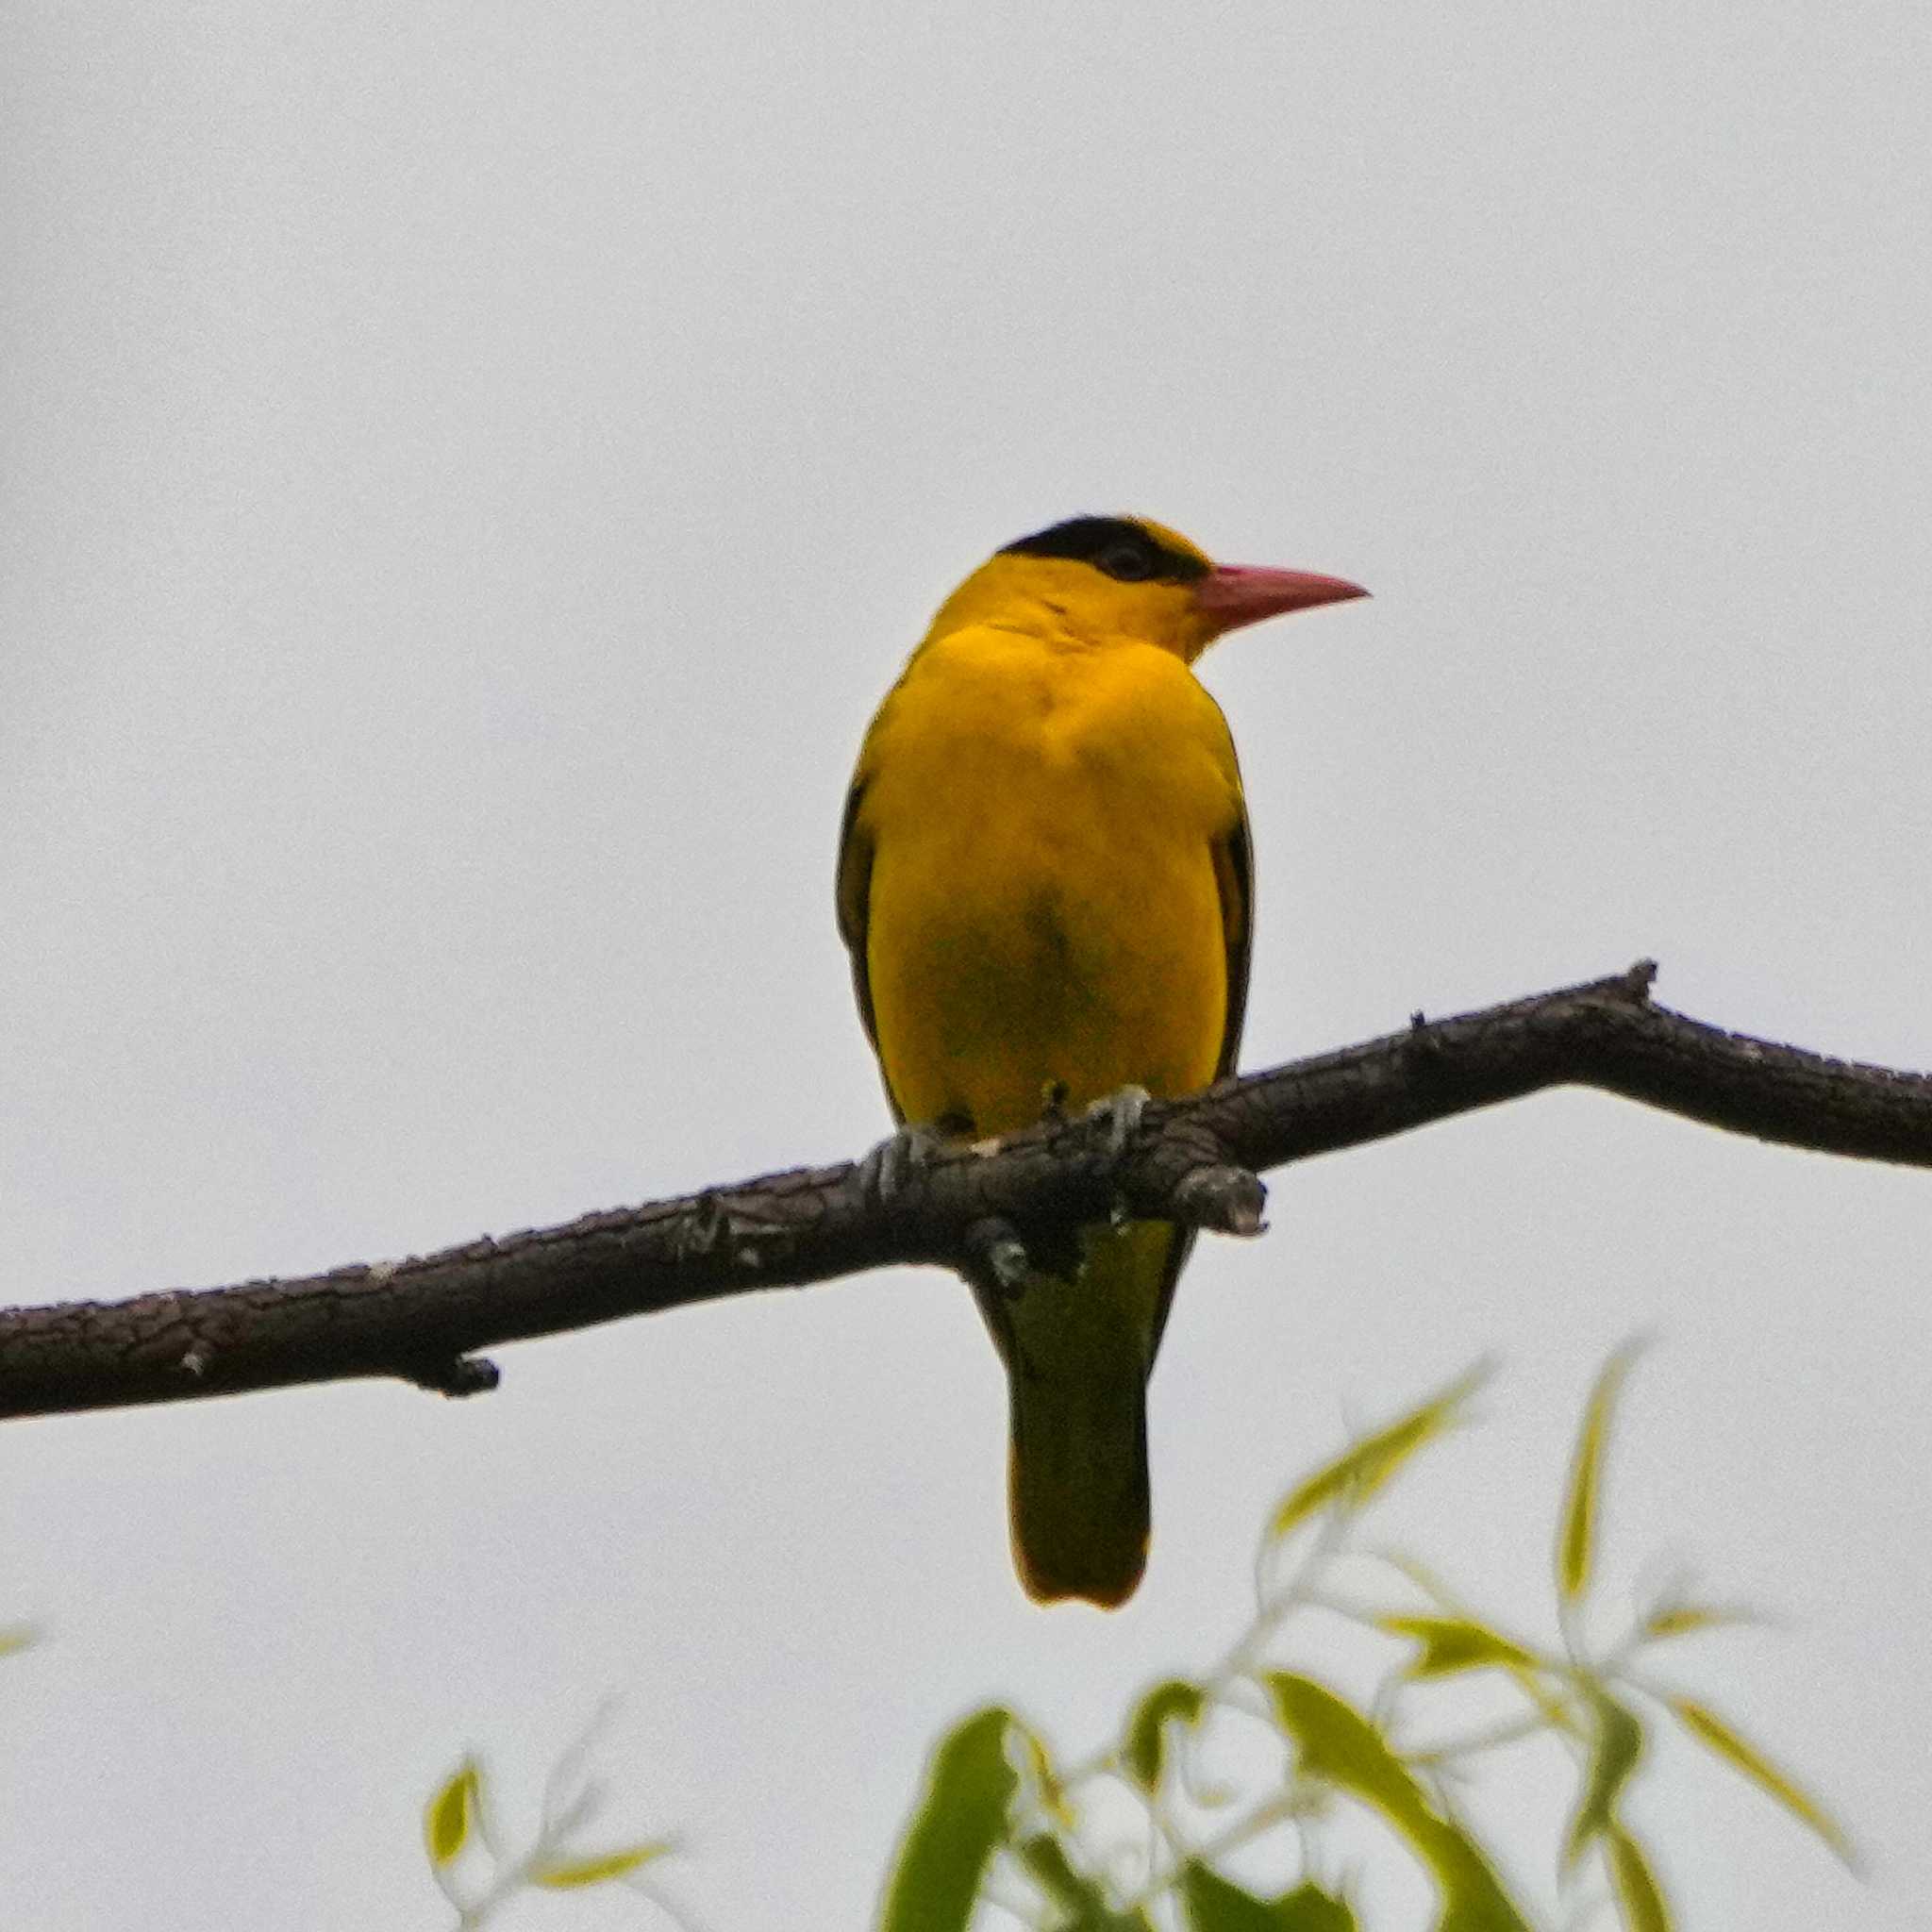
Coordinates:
<point>1192,1160</point>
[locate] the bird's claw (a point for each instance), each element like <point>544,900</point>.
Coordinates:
<point>998,1255</point>
<point>1115,1116</point>
<point>885,1172</point>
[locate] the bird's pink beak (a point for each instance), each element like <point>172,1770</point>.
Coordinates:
<point>1232,594</point>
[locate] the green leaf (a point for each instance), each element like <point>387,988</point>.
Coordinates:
<point>1357,1475</point>
<point>1457,1644</point>
<point>567,1875</point>
<point>1576,1537</point>
<point>1046,1780</point>
<point>1308,1908</point>
<point>1176,1701</point>
<point>1339,1746</point>
<point>956,1830</point>
<point>1478,1905</point>
<point>1678,1619</point>
<point>1082,1904</point>
<point>1046,1859</point>
<point>1216,1904</point>
<point>449,1814</point>
<point>1614,1751</point>
<point>1707,1728</point>
<point>1531,1682</point>
<point>1640,1898</point>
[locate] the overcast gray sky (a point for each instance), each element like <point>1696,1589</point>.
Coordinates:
<point>471,471</point>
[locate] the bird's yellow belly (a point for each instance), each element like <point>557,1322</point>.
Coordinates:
<point>1074,947</point>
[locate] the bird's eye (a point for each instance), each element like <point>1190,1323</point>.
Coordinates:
<point>1132,564</point>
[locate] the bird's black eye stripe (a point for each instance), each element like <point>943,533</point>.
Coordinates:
<point>1117,545</point>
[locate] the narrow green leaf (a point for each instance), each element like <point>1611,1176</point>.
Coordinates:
<point>1474,1905</point>
<point>1706,1726</point>
<point>1215,1904</point>
<point>959,1825</point>
<point>1360,1470</point>
<point>1339,1746</point>
<point>1640,1898</point>
<point>449,1814</point>
<point>1176,1701</point>
<point>1686,1618</point>
<point>1614,1750</point>
<point>1457,1644</point>
<point>1531,1682</point>
<point>1576,1536</point>
<point>567,1875</point>
<point>1082,1904</point>
<point>1308,1908</point>
<point>1046,1780</point>
<point>1046,1859</point>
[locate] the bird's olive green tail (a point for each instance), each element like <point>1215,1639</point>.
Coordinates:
<point>1078,1336</point>
<point>1077,1484</point>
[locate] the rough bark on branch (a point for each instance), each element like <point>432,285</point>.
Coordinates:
<point>1193,1161</point>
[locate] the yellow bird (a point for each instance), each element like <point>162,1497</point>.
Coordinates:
<point>1044,884</point>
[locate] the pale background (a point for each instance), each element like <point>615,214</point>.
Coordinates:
<point>470,470</point>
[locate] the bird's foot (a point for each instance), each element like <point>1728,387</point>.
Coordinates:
<point>1115,1116</point>
<point>997,1255</point>
<point>885,1173</point>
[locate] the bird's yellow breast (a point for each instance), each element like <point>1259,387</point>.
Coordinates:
<point>1044,906</point>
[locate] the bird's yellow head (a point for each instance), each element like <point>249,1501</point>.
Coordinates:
<point>1098,580</point>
